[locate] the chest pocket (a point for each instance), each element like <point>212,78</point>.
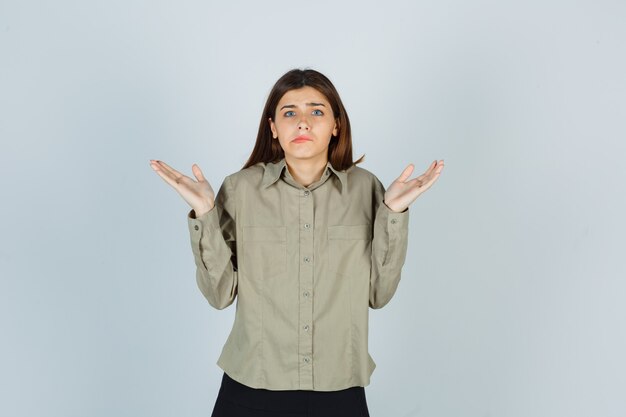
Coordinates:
<point>265,250</point>
<point>349,249</point>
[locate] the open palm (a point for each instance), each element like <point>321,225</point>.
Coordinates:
<point>198,194</point>
<point>402,192</point>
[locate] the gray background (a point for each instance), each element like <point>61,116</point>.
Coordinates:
<point>512,296</point>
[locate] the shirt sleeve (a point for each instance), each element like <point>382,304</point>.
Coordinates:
<point>214,248</point>
<point>389,247</point>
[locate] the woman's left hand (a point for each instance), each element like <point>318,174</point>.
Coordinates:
<point>402,192</point>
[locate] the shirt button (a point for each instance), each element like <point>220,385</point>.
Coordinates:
<point>306,327</point>
<point>307,259</point>
<point>306,293</point>
<point>196,227</point>
<point>393,221</point>
<point>307,359</point>
<point>307,226</point>
<point>306,192</point>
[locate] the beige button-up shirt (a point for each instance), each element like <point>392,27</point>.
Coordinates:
<point>305,264</point>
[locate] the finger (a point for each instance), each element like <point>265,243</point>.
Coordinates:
<point>424,181</point>
<point>166,173</point>
<point>434,167</point>
<point>158,167</point>
<point>415,182</point>
<point>197,172</point>
<point>435,171</point>
<point>430,181</point>
<point>428,171</point>
<point>406,173</point>
<point>431,167</point>
<point>175,174</point>
<point>171,176</point>
<point>166,176</point>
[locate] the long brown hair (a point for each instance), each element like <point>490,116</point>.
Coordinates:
<point>266,149</point>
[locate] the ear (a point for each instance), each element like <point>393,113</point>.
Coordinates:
<point>273,128</point>
<point>336,128</point>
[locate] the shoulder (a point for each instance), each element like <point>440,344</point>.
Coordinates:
<point>249,176</point>
<point>362,177</point>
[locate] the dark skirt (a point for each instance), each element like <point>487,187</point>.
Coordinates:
<point>237,400</point>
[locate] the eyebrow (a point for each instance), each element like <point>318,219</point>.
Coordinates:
<point>291,106</point>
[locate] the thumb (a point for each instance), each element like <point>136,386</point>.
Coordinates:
<point>197,172</point>
<point>406,173</point>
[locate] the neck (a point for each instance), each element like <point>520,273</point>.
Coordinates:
<point>306,171</point>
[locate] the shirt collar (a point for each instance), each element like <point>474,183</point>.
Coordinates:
<point>273,171</point>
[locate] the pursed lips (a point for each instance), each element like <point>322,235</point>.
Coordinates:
<point>301,138</point>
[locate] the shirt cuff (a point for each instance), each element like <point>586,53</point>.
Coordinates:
<point>395,220</point>
<point>209,221</point>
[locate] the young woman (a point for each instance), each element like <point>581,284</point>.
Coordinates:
<point>307,242</point>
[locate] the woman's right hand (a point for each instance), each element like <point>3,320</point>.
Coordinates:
<point>198,194</point>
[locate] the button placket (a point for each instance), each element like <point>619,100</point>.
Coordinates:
<point>306,266</point>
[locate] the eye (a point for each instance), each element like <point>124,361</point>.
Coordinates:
<point>287,113</point>
<point>321,113</point>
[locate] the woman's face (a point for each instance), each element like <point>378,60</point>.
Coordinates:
<point>306,113</point>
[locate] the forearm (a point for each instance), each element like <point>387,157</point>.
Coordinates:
<point>214,256</point>
<point>389,248</point>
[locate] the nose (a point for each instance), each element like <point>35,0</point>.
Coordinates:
<point>303,124</point>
